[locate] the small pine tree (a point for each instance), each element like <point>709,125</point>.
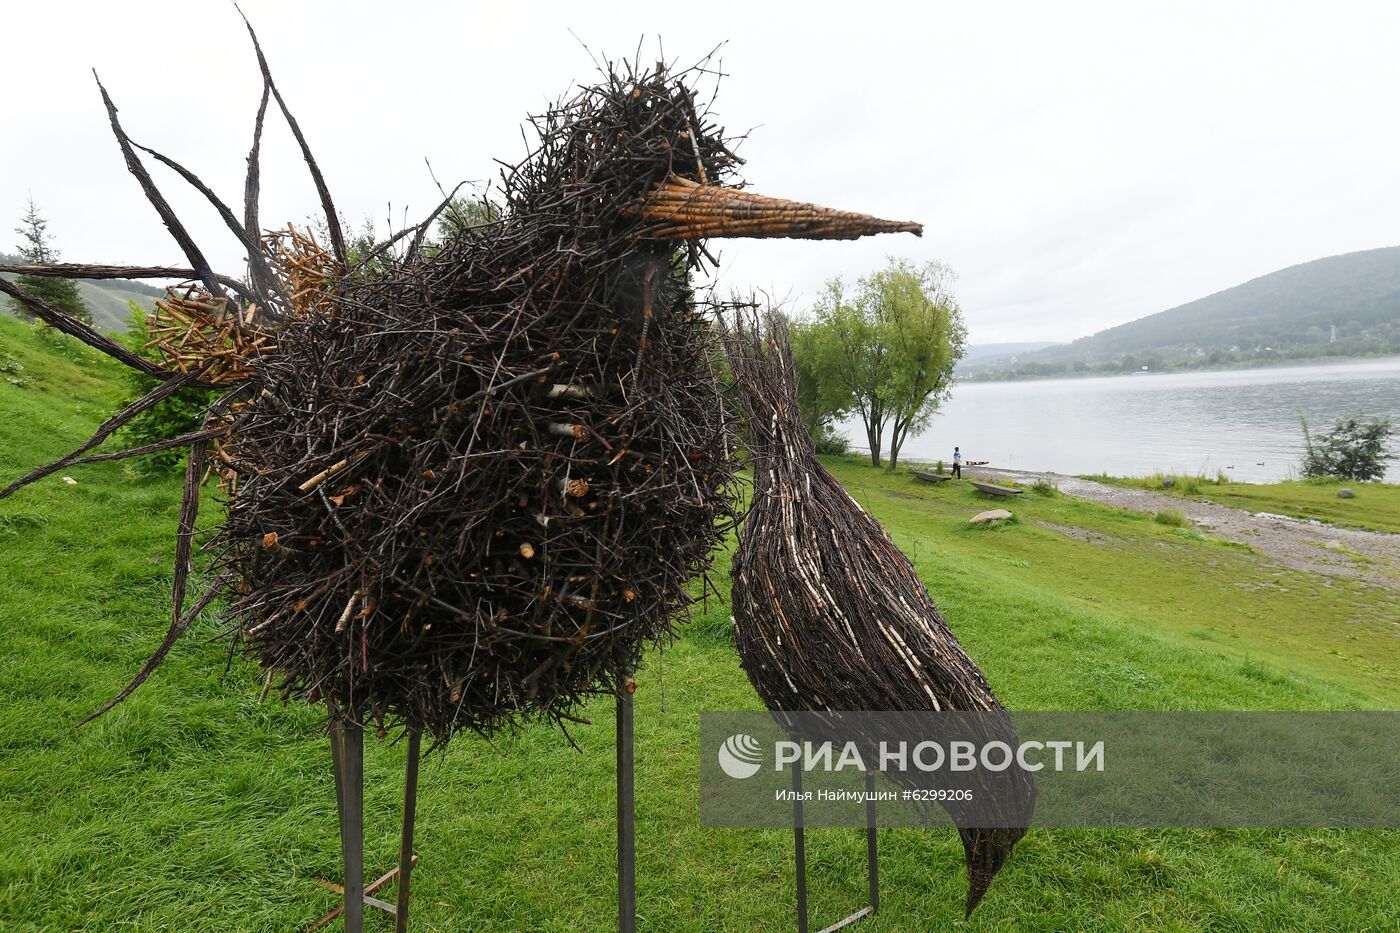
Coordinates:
<point>37,248</point>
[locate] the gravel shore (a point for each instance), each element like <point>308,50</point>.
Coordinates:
<point>1306,545</point>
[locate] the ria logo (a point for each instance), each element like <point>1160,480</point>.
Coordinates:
<point>740,755</point>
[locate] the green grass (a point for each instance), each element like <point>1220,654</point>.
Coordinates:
<point>1135,575</point>
<point>1172,517</point>
<point>193,807</point>
<point>1182,484</point>
<point>1375,508</point>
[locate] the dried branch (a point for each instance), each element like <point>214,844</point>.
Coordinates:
<point>148,186</point>
<point>109,427</point>
<point>327,206</point>
<point>257,262</point>
<point>177,628</point>
<point>61,320</point>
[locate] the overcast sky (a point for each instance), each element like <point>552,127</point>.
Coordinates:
<point>1077,164</point>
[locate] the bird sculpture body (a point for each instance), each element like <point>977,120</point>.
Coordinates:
<point>829,615</point>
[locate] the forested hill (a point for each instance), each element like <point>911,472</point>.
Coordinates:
<point>108,300</point>
<point>981,353</point>
<point>1347,305</point>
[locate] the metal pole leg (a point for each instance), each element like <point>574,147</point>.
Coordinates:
<point>350,758</point>
<point>626,813</point>
<point>801,848</point>
<point>337,761</point>
<point>871,853</point>
<point>410,807</point>
<point>872,842</point>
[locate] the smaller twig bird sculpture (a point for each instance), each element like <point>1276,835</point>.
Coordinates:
<point>829,615</point>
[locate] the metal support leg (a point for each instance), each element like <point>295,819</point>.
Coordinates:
<point>626,814</point>
<point>347,754</point>
<point>348,748</point>
<point>801,847</point>
<point>410,807</point>
<point>872,842</point>
<point>872,855</point>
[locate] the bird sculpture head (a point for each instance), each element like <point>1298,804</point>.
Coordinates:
<point>645,157</point>
<point>635,165</point>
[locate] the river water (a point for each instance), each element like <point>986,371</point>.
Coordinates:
<point>1243,421</point>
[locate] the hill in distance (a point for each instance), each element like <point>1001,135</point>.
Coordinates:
<point>108,299</point>
<point>1340,306</point>
<point>980,353</point>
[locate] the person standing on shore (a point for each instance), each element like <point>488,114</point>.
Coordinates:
<point>957,463</point>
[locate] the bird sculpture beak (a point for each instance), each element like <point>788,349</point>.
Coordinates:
<point>680,209</point>
<point>986,851</point>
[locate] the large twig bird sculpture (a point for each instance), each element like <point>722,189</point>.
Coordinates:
<point>829,615</point>
<point>465,482</point>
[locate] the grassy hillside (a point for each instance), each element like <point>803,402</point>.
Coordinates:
<point>1347,305</point>
<point>193,807</point>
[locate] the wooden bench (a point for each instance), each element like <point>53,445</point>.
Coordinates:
<point>992,489</point>
<point>926,477</point>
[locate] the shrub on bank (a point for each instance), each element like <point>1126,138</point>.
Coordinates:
<point>1353,449</point>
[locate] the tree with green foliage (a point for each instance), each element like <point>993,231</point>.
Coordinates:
<point>886,352</point>
<point>922,323</point>
<point>1354,449</point>
<point>840,364</point>
<point>36,248</point>
<point>821,400</point>
<point>463,213</point>
<point>179,414</point>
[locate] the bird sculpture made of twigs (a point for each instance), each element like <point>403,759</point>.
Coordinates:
<point>465,482</point>
<point>829,614</point>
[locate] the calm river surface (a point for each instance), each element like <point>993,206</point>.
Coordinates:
<point>1244,422</point>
